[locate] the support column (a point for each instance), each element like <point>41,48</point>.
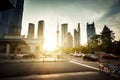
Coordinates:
<point>7,48</point>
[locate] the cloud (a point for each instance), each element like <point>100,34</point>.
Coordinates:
<point>114,9</point>
<point>113,22</point>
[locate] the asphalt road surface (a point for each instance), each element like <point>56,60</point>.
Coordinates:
<point>52,70</point>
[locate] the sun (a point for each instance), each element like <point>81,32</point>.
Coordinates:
<point>49,44</point>
<point>83,39</point>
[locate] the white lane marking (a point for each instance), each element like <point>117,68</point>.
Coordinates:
<point>83,65</point>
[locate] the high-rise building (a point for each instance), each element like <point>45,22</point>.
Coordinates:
<point>90,31</point>
<point>69,40</point>
<point>78,30</point>
<point>77,36</point>
<point>36,45</point>
<point>64,31</point>
<point>10,26</point>
<point>31,30</point>
<point>11,20</point>
<point>40,32</point>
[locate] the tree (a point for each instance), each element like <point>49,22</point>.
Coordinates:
<point>107,37</point>
<point>94,43</point>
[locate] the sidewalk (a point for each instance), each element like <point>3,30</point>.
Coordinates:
<point>31,60</point>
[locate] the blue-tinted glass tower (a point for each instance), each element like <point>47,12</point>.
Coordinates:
<point>11,19</point>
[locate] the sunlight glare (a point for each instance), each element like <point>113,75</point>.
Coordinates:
<point>49,45</point>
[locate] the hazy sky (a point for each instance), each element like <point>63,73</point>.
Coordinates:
<point>102,12</point>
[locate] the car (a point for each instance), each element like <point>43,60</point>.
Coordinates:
<point>77,55</point>
<point>109,56</point>
<point>29,56</point>
<point>82,54</point>
<point>90,57</point>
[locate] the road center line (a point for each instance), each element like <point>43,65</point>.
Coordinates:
<point>83,65</point>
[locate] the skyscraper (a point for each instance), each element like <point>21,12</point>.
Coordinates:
<point>11,20</point>
<point>90,31</point>
<point>31,30</point>
<point>64,31</point>
<point>69,40</point>
<point>77,36</point>
<point>40,32</point>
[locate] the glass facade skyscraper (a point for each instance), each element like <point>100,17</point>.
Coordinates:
<point>11,19</point>
<point>90,31</point>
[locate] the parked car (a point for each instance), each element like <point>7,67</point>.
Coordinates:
<point>29,56</point>
<point>82,54</point>
<point>109,56</point>
<point>78,54</point>
<point>90,57</point>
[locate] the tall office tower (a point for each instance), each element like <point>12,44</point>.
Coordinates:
<point>90,31</point>
<point>11,20</point>
<point>31,30</point>
<point>40,33</point>
<point>69,40</point>
<point>78,30</point>
<point>77,36</point>
<point>57,32</point>
<point>64,31</point>
<point>106,35</point>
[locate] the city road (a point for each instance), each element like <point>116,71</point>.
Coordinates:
<point>68,69</point>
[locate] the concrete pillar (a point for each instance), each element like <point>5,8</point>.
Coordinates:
<point>32,48</point>
<point>7,48</point>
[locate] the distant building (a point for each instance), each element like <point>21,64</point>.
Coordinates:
<point>78,29</point>
<point>36,45</point>
<point>64,31</point>
<point>69,40</point>
<point>40,33</point>
<point>106,35</point>
<point>90,31</point>
<point>77,36</point>
<point>31,30</point>
<point>11,20</point>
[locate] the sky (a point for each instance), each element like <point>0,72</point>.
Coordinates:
<point>101,12</point>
